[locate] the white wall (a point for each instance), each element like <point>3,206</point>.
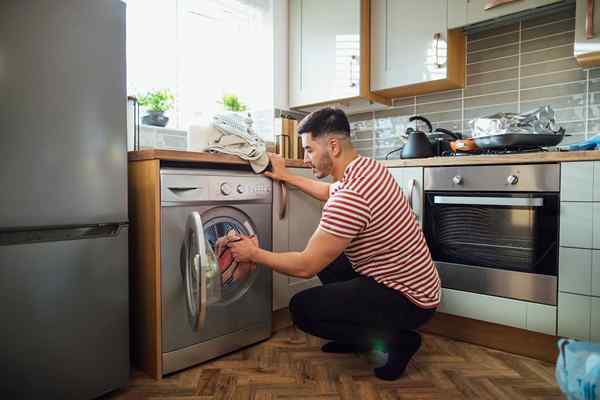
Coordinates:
<point>280,46</point>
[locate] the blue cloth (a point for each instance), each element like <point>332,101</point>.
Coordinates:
<point>578,369</point>
<point>592,143</point>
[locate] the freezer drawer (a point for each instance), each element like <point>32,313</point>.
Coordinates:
<point>65,317</point>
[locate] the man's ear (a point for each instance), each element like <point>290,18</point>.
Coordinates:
<point>335,146</point>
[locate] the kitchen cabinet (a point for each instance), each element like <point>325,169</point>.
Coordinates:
<point>587,34</point>
<point>575,271</point>
<point>576,224</point>
<point>410,180</point>
<point>595,320</point>
<point>328,50</point>
<point>574,314</point>
<point>577,181</point>
<point>432,60</point>
<point>597,181</point>
<point>499,310</point>
<point>596,273</point>
<point>291,232</point>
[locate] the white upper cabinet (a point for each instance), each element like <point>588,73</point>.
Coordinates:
<point>467,12</point>
<point>412,50</point>
<point>403,44</point>
<point>587,33</point>
<point>324,52</point>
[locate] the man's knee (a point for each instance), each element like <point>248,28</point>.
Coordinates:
<point>299,307</point>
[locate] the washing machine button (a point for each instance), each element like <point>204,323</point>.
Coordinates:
<point>226,189</point>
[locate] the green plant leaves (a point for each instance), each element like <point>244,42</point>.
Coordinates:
<point>159,100</point>
<point>232,103</point>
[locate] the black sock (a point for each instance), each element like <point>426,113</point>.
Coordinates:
<point>340,347</point>
<point>399,354</point>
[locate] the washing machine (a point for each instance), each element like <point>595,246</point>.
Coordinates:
<point>212,305</point>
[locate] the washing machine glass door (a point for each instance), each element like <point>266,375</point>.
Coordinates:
<point>235,277</point>
<point>199,271</point>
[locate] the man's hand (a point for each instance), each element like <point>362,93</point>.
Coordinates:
<point>244,249</point>
<point>279,171</point>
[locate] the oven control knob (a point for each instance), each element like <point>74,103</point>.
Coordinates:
<point>458,180</point>
<point>226,189</point>
<point>512,179</point>
<point>241,189</point>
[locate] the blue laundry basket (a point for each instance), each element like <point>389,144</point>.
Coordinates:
<point>578,369</point>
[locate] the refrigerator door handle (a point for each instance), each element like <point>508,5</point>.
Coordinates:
<point>59,233</point>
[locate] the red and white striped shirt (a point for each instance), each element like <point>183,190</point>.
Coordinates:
<point>388,245</point>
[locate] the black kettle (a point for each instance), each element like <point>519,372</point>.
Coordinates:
<point>418,144</point>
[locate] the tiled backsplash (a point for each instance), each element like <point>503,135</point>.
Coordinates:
<point>514,68</point>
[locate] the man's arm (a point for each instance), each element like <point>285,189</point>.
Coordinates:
<point>320,251</point>
<point>316,189</point>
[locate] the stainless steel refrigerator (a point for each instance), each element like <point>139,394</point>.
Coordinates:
<point>64,281</point>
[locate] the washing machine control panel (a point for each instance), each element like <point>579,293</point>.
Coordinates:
<point>233,188</point>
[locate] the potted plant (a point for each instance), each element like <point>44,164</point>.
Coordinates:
<point>156,103</point>
<point>232,103</point>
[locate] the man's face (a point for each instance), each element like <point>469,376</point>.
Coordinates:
<point>316,155</point>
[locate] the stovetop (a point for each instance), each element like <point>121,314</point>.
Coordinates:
<point>503,151</point>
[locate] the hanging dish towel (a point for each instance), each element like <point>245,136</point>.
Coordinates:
<point>234,134</point>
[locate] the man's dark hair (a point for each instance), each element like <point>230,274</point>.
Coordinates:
<point>324,121</point>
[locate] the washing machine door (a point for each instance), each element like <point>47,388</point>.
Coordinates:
<point>200,276</point>
<point>205,294</point>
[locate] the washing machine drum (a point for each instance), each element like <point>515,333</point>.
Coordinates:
<point>213,266</point>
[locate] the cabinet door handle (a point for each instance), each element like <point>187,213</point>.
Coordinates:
<point>413,186</point>
<point>283,199</point>
<point>437,38</point>
<point>352,59</point>
<point>589,20</point>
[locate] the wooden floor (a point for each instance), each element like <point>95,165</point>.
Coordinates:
<point>290,366</point>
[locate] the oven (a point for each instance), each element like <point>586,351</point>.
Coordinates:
<point>494,229</point>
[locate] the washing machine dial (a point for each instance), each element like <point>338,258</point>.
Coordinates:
<point>241,189</point>
<point>226,189</point>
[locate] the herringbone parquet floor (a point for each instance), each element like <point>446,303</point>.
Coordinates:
<point>291,366</point>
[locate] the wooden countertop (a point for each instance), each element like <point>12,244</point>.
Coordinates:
<point>524,158</point>
<point>193,156</point>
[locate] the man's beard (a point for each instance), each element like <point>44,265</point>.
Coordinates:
<point>324,167</point>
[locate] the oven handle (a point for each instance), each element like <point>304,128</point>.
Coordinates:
<point>490,201</point>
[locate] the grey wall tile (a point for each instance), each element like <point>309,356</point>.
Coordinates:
<point>556,103</point>
<point>553,79</point>
<point>494,76</point>
<point>494,32</point>
<point>553,91</point>
<point>490,100</point>
<point>567,25</point>
<point>547,42</point>
<point>395,112</point>
<point>443,116</point>
<point>486,111</point>
<point>546,19</point>
<point>491,88</point>
<point>487,66</point>
<point>494,41</point>
<point>546,55</point>
<point>570,114</point>
<point>498,52</point>
<point>594,73</point>
<point>439,106</point>
<point>360,117</point>
<point>550,66</point>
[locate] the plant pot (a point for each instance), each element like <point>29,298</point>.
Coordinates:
<point>155,118</point>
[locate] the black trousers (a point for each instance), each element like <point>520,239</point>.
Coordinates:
<point>354,309</point>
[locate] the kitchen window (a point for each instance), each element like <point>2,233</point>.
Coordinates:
<point>201,50</point>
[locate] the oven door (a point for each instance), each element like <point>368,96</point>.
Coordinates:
<point>503,244</point>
